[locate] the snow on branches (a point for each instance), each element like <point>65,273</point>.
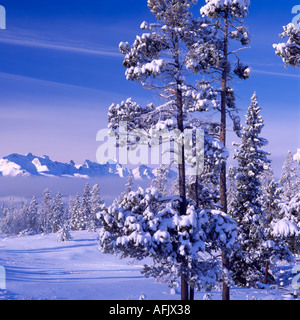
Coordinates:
<point>145,224</point>
<point>289,51</point>
<point>238,8</point>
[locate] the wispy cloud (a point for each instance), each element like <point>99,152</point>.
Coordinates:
<point>37,81</point>
<point>34,41</point>
<point>278,74</point>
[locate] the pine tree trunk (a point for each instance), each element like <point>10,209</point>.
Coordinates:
<point>182,186</point>
<point>266,272</point>
<point>192,294</point>
<point>184,289</point>
<point>223,187</point>
<point>181,160</point>
<point>192,290</point>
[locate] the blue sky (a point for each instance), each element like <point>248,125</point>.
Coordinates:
<point>60,69</point>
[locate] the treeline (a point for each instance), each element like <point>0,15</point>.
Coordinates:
<point>53,215</point>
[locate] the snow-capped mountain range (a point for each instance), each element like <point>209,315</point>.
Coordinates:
<point>17,165</point>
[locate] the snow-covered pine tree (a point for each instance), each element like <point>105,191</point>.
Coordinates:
<point>267,176</point>
<point>2,208</point>
<point>33,217</point>
<point>128,188</point>
<point>289,178</point>
<point>58,210</point>
<point>271,193</point>
<point>2,216</point>
<point>287,224</point>
<point>129,184</point>
<point>246,208</point>
<point>257,247</point>
<point>157,60</point>
<point>289,51</point>
<point>64,233</point>
<point>145,224</point>
<point>23,217</point>
<point>45,213</point>
<point>85,208</point>
<point>272,206</point>
<point>161,179</point>
<point>271,200</point>
<point>10,214</point>
<point>296,158</point>
<point>5,217</point>
<point>77,221</point>
<point>231,185</point>
<point>14,219</point>
<point>19,221</point>
<point>203,188</point>
<point>226,21</point>
<point>97,208</point>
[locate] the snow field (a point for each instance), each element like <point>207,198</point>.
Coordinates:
<point>40,268</point>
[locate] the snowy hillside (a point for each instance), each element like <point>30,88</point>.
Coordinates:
<point>16,165</point>
<point>39,267</point>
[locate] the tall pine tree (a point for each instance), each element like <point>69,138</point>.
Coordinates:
<point>159,59</point>
<point>257,247</point>
<point>227,22</point>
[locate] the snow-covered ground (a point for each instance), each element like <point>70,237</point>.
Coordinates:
<point>39,267</point>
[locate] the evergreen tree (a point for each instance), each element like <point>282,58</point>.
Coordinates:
<point>287,224</point>
<point>85,209</point>
<point>272,198</point>
<point>64,233</point>
<point>77,221</point>
<point>227,25</point>
<point>46,213</point>
<point>289,51</point>
<point>129,184</point>
<point>158,60</point>
<point>231,186</point>
<point>161,179</point>
<point>203,188</point>
<point>145,224</point>
<point>251,161</point>
<point>97,208</point>
<point>58,210</point>
<point>16,218</point>
<point>22,218</point>
<point>6,216</point>
<point>257,247</point>
<point>271,193</point>
<point>33,218</point>
<point>288,179</point>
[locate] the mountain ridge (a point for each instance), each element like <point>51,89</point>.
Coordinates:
<point>17,165</point>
